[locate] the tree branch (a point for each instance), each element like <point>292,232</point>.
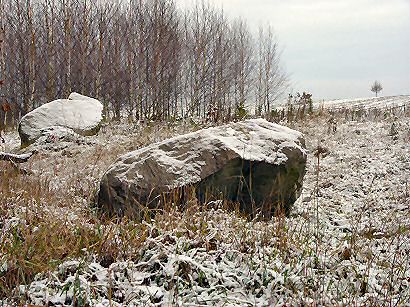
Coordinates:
<point>14,157</point>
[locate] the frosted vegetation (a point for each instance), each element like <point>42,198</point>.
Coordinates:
<point>346,241</point>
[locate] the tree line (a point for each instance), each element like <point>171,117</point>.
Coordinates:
<point>143,58</point>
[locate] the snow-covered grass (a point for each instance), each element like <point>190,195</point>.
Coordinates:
<point>347,241</point>
<point>367,103</point>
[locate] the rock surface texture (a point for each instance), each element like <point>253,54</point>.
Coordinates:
<point>255,163</point>
<point>81,114</point>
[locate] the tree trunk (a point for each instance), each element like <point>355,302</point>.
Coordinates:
<point>2,36</point>
<point>67,46</point>
<point>32,57</point>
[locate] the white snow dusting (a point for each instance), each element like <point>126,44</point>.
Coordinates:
<point>347,241</point>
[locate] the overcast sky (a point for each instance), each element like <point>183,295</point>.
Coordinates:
<point>335,49</point>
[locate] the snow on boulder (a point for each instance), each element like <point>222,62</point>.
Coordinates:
<point>255,163</point>
<point>79,113</point>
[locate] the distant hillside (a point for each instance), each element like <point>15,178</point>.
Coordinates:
<point>366,103</point>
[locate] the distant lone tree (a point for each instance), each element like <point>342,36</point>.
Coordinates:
<point>376,87</point>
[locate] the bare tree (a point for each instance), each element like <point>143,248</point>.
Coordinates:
<point>32,53</point>
<point>376,87</point>
<point>49,57</point>
<point>144,57</point>
<point>271,80</point>
<point>2,77</point>
<point>2,34</point>
<point>198,35</point>
<point>243,65</point>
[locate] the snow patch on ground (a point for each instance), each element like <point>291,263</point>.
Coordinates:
<point>347,241</point>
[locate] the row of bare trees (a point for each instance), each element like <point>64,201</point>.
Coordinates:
<point>145,57</point>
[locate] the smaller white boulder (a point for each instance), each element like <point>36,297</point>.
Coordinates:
<point>79,113</point>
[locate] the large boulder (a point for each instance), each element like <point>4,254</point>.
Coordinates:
<point>79,113</point>
<point>255,163</point>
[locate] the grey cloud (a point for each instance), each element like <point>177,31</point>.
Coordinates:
<point>336,48</point>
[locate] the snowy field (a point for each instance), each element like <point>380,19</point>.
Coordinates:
<point>347,241</point>
<point>366,103</point>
